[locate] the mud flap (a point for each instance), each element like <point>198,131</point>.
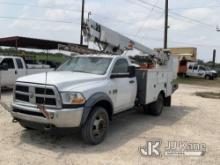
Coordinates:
<point>167,101</point>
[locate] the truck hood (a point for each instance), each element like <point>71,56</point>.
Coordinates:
<point>61,79</point>
<point>213,71</point>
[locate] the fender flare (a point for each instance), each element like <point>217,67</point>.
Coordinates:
<point>92,101</point>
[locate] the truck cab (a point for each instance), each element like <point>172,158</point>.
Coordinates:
<point>13,67</point>
<point>200,71</point>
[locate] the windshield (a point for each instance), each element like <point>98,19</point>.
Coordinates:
<point>208,69</point>
<point>93,65</point>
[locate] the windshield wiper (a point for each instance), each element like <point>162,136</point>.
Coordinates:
<point>80,71</point>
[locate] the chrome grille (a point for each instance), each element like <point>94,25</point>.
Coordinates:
<point>37,94</point>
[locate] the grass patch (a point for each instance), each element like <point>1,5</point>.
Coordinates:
<point>210,95</point>
<point>199,81</point>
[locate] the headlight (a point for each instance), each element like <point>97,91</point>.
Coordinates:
<point>73,98</point>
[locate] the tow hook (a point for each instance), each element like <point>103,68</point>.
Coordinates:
<point>14,121</point>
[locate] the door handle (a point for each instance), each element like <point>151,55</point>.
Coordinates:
<point>132,82</point>
<point>16,72</point>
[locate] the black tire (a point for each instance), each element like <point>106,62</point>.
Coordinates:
<point>156,108</point>
<point>96,127</point>
<point>207,77</point>
<point>146,109</point>
<point>26,126</point>
<point>184,75</point>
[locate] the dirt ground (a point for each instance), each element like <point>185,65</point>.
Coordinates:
<point>191,118</point>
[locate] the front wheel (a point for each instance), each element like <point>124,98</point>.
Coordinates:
<point>26,126</point>
<point>95,129</point>
<point>156,108</point>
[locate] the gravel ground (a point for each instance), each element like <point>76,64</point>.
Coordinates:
<point>191,119</point>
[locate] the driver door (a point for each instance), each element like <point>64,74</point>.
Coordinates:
<point>201,71</point>
<point>123,89</point>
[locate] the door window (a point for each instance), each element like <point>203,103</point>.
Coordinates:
<point>9,62</point>
<point>195,67</point>
<point>19,63</point>
<point>121,66</point>
<point>201,68</point>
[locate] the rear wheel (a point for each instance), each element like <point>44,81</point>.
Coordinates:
<point>95,129</point>
<point>207,77</point>
<point>156,108</point>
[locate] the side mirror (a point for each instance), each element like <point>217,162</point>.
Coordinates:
<point>119,75</point>
<point>132,71</point>
<point>4,66</point>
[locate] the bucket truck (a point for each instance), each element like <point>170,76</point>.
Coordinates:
<point>88,90</point>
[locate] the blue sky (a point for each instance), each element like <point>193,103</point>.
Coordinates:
<point>133,18</point>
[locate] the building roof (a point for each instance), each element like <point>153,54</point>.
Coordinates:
<point>34,43</point>
<point>187,53</point>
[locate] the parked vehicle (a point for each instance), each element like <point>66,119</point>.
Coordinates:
<point>200,71</point>
<point>13,67</point>
<point>88,90</point>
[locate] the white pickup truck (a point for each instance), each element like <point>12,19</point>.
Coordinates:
<point>12,67</point>
<point>200,71</point>
<point>87,91</point>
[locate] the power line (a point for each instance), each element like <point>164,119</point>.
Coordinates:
<point>178,42</point>
<point>76,10</point>
<point>148,16</point>
<point>47,7</point>
<point>194,20</point>
<point>198,7</point>
<point>37,19</point>
<point>71,22</point>
<point>177,14</point>
<point>161,40</point>
<point>150,4</point>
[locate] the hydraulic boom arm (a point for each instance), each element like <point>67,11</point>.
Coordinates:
<point>110,41</point>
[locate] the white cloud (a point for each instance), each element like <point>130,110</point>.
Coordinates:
<point>151,24</point>
<point>59,3</point>
<point>59,14</point>
<point>200,14</point>
<point>46,2</point>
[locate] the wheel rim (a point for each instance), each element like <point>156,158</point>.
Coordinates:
<point>99,126</point>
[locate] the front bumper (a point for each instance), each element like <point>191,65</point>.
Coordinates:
<point>62,118</point>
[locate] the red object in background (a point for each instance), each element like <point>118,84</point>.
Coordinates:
<point>147,66</point>
<point>182,66</point>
